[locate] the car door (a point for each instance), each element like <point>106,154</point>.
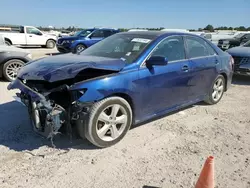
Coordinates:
<point>165,86</point>
<point>96,36</point>
<point>34,36</point>
<point>204,60</point>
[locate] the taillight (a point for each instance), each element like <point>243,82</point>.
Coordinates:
<point>232,62</point>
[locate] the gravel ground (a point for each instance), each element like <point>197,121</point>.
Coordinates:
<point>167,152</point>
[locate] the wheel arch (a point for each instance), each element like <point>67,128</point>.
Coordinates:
<point>226,79</point>
<point>81,43</point>
<point>50,39</point>
<point>7,39</point>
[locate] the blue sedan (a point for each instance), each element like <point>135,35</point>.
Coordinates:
<point>123,80</point>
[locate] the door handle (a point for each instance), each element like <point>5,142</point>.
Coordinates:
<point>216,61</point>
<point>30,36</point>
<point>185,68</point>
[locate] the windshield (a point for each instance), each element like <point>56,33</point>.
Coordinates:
<point>127,47</point>
<point>83,33</point>
<point>239,35</point>
<point>247,44</point>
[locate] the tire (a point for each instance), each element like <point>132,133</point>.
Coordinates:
<point>110,136</point>
<point>79,48</point>
<point>211,99</point>
<point>14,65</point>
<point>8,43</point>
<point>50,44</point>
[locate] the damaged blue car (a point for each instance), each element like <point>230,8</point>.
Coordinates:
<point>125,79</point>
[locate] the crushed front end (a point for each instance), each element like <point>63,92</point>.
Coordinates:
<point>52,107</point>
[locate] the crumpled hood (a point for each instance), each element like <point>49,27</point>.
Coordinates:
<point>239,51</point>
<point>66,66</point>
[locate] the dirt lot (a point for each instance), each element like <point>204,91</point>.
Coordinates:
<point>168,152</point>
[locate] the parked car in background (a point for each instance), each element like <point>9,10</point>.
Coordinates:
<point>29,36</point>
<point>83,39</point>
<point>125,79</point>
<point>237,40</point>
<point>11,60</point>
<point>241,55</point>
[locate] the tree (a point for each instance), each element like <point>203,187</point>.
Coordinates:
<point>209,28</point>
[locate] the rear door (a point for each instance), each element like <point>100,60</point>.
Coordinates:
<point>205,66</point>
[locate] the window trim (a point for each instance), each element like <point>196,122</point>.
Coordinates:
<point>186,47</point>
<point>143,64</point>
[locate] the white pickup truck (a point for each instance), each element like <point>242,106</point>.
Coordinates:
<point>29,36</point>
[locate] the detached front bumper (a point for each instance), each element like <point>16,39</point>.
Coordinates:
<point>46,117</point>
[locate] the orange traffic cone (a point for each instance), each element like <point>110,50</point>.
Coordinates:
<point>206,179</point>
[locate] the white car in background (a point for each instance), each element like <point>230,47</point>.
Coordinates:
<point>29,36</point>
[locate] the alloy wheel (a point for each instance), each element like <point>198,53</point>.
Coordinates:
<point>80,48</point>
<point>111,122</point>
<point>218,89</point>
<point>12,69</point>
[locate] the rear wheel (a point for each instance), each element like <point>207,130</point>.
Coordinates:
<point>11,68</point>
<point>217,90</point>
<point>8,43</point>
<point>109,121</point>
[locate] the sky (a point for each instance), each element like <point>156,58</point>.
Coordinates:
<point>182,14</point>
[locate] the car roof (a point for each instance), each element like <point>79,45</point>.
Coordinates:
<point>156,34</point>
<point>104,28</point>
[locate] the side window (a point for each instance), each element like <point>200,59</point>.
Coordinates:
<point>197,47</point>
<point>107,33</point>
<point>34,31</point>
<point>172,48</point>
<point>98,34</point>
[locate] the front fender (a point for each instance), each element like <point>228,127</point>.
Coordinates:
<point>99,88</point>
<point>84,42</point>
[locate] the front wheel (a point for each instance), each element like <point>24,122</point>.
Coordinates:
<point>50,44</point>
<point>79,48</point>
<point>11,68</point>
<point>217,90</point>
<point>109,121</point>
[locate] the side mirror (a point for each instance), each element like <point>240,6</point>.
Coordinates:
<point>157,60</point>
